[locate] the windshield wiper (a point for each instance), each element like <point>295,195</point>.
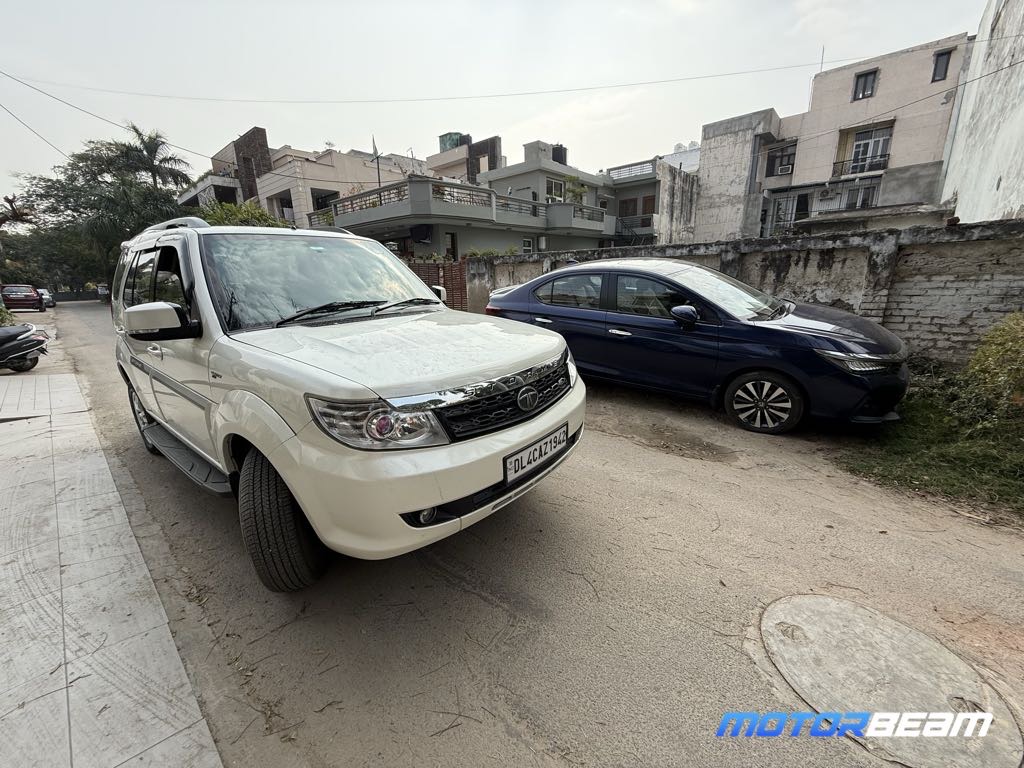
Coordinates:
<point>328,308</point>
<point>406,302</point>
<point>779,311</point>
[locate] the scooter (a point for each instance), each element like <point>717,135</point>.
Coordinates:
<point>21,346</point>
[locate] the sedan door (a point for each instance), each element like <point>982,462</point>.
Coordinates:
<point>570,304</point>
<point>653,348</point>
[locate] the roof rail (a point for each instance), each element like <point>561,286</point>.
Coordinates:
<point>331,229</point>
<point>185,221</point>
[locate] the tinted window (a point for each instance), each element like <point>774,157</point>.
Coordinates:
<point>138,288</point>
<point>258,279</point>
<point>636,295</point>
<point>17,290</point>
<point>168,284</point>
<point>738,299</point>
<point>572,291</point>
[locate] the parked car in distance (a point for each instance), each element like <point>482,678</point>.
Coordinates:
<point>48,299</point>
<point>22,297</point>
<point>315,377</point>
<point>682,328</point>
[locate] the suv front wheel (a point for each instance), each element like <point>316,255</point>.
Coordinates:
<point>283,547</point>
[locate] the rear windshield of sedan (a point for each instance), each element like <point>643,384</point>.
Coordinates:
<point>257,279</point>
<point>738,299</point>
<point>17,290</point>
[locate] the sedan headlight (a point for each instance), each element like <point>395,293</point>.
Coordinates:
<point>856,363</point>
<point>376,426</point>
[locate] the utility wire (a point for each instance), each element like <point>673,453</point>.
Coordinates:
<point>33,130</point>
<point>309,178</point>
<point>421,99</point>
<point>513,94</point>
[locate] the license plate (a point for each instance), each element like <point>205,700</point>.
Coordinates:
<point>536,455</point>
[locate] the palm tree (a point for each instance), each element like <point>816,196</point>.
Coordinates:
<point>150,154</point>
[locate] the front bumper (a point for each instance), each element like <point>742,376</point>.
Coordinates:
<point>354,499</point>
<point>863,399</point>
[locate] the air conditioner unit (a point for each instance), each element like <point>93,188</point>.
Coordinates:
<point>826,194</point>
<point>782,170</point>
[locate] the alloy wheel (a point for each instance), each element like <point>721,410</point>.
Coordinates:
<point>762,404</point>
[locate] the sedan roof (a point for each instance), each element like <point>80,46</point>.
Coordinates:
<point>664,267</point>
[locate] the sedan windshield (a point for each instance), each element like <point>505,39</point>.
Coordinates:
<point>257,280</point>
<point>738,299</point>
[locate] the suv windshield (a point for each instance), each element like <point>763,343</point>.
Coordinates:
<point>259,279</point>
<point>738,299</point>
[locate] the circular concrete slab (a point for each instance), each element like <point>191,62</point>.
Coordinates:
<point>841,656</point>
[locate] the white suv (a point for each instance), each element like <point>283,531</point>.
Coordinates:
<point>314,376</point>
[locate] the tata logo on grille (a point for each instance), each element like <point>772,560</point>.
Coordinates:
<point>527,398</point>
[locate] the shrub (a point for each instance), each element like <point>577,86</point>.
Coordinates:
<point>993,383</point>
<point>7,317</point>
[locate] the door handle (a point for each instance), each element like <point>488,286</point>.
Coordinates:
<point>542,320</point>
<point>618,332</point>
<point>156,351</point>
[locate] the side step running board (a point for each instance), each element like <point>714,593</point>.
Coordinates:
<point>188,461</point>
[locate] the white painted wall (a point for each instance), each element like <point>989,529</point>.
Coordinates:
<point>985,171</point>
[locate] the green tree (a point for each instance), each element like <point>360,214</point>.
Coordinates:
<point>247,214</point>
<point>148,154</point>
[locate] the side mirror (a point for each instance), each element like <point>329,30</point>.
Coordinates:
<point>686,315</point>
<point>440,292</point>
<point>160,321</point>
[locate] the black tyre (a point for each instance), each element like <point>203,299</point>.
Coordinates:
<point>764,401</point>
<point>142,419</point>
<point>42,308</point>
<point>283,547</point>
<point>20,366</point>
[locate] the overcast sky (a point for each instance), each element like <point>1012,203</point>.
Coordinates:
<point>381,49</point>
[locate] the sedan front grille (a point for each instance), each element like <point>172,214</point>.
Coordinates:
<point>500,410</point>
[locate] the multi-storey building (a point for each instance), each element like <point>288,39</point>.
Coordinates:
<point>868,153</point>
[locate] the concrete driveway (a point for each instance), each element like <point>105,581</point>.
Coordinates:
<point>607,618</point>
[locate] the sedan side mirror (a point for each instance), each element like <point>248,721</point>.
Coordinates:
<point>160,321</point>
<point>440,292</point>
<point>686,315</point>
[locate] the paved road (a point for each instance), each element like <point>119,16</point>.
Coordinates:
<point>607,618</point>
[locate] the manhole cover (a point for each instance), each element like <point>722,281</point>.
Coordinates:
<point>844,657</point>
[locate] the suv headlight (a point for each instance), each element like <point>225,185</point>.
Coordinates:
<point>571,365</point>
<point>376,426</point>
<point>857,363</point>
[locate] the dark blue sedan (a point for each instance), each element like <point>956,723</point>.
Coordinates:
<point>682,328</point>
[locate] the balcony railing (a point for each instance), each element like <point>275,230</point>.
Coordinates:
<point>587,212</point>
<point>460,195</point>
<point>634,169</point>
<point>637,222</point>
<point>394,193</point>
<point>521,207</point>
<point>860,165</point>
<point>322,218</point>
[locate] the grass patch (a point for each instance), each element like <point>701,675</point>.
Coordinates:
<point>941,447</point>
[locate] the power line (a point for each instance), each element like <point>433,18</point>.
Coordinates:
<point>421,99</point>
<point>33,130</point>
<point>467,97</point>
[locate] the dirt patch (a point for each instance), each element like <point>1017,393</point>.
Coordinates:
<point>625,413</point>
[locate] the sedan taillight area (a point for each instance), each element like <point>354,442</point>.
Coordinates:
<point>489,310</point>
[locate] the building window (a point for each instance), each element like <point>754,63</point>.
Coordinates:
<point>871,150</point>
<point>940,68</point>
<point>451,246</point>
<point>555,191</point>
<point>864,85</point>
<point>781,161</point>
<point>861,197</point>
<point>527,245</point>
<point>627,207</point>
